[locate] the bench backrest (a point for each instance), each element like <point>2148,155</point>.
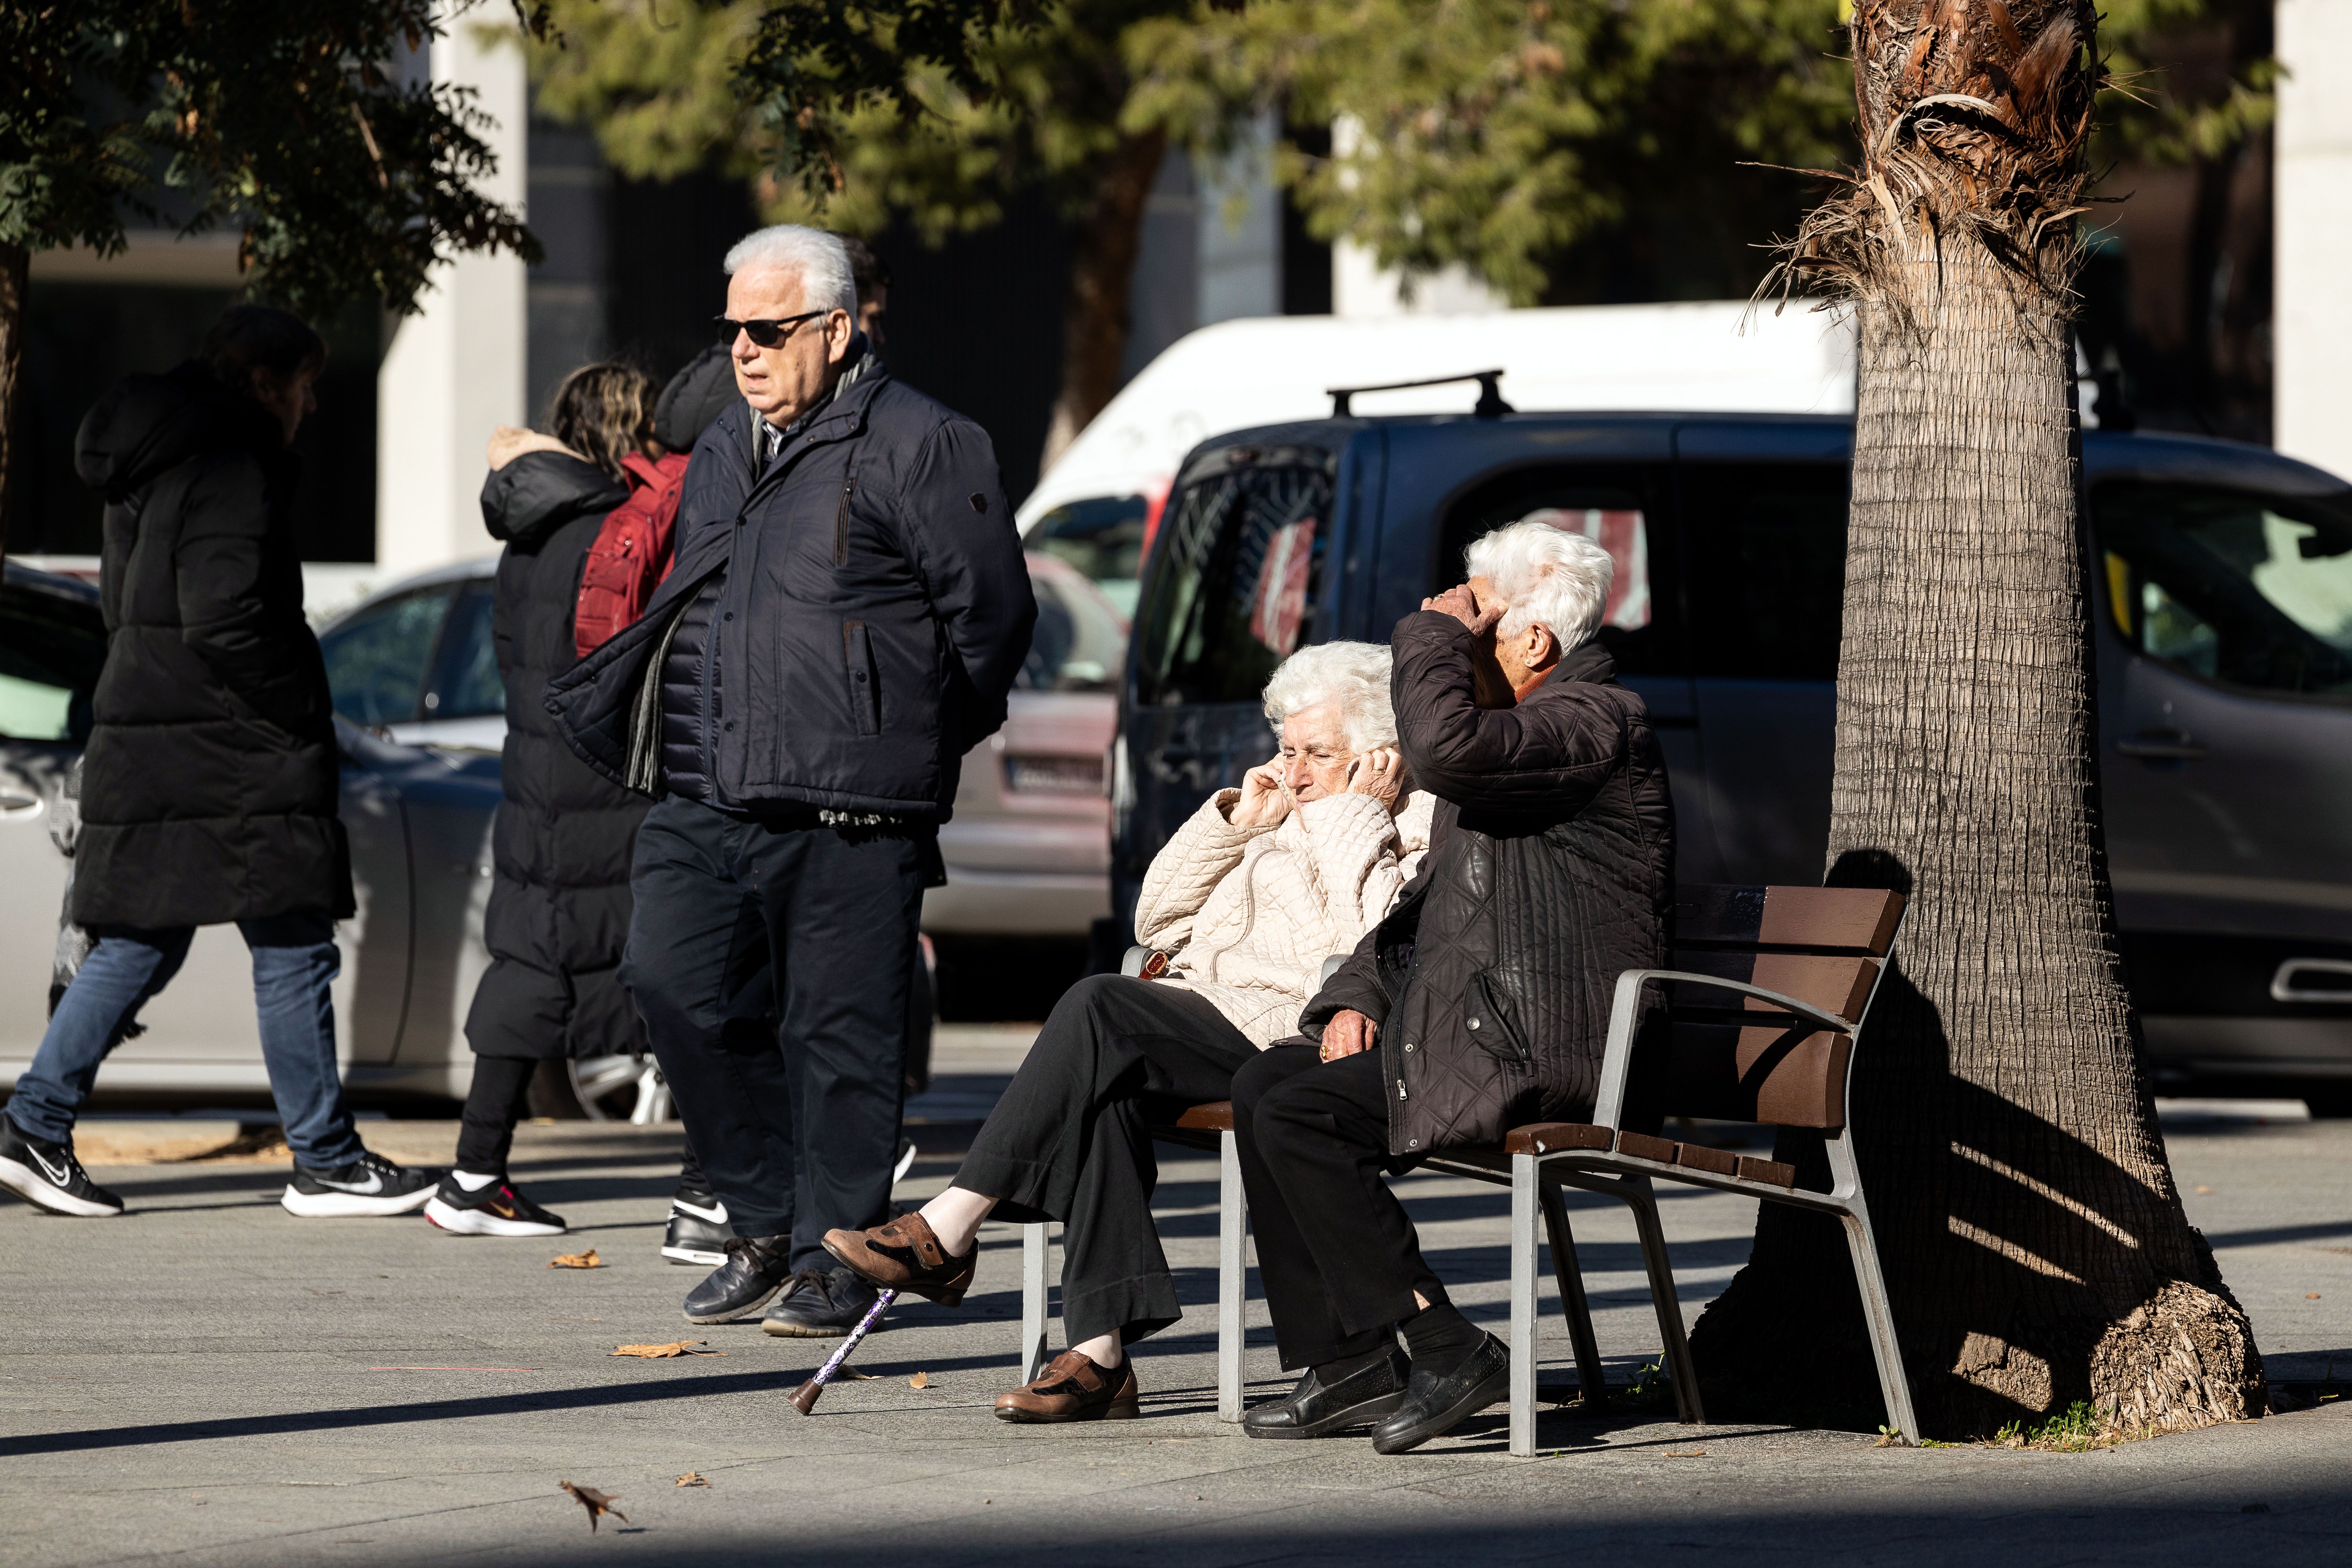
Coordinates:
<point>1740,1058</point>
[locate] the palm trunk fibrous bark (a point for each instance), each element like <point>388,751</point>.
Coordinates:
<point>2033,1238</point>
<point>16,264</point>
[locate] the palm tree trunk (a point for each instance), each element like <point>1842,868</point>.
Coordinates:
<point>2033,1240</point>
<point>1095,305</point>
<point>15,267</point>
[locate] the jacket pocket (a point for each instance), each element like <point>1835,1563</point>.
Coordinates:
<point>1493,1021</point>
<point>864,681</point>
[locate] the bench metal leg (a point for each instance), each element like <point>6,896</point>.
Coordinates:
<point>1232,1278</point>
<point>1894,1383</point>
<point>1525,1184</point>
<point>1591,1377</point>
<point>1643,1201</point>
<point>1033,1356</point>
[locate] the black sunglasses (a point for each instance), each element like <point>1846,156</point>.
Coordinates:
<point>766,334</point>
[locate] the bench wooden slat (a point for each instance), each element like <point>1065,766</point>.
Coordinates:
<point>1642,1146</point>
<point>1700,1157</point>
<point>1551,1137</point>
<point>1835,984</point>
<point>1216,1116</point>
<point>1858,919</point>
<point>1754,1170</point>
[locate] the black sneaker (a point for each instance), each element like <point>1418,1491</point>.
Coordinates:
<point>47,1175</point>
<point>369,1186</point>
<point>697,1229</point>
<point>818,1305</point>
<point>755,1269</point>
<point>495,1209</point>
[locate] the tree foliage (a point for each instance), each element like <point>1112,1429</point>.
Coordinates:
<point>279,118</point>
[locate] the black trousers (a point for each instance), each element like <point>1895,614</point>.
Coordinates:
<point>797,1131</point>
<point>1067,1140</point>
<point>1336,1251</point>
<point>500,1098</point>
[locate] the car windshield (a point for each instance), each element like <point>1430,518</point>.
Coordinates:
<point>1080,642</point>
<point>1238,569</point>
<point>1102,537</point>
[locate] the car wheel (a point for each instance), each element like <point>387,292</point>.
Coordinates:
<point>624,1086</point>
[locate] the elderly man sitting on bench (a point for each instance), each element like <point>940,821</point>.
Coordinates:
<point>1480,1002</point>
<point>1242,908</point>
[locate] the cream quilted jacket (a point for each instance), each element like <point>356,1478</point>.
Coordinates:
<point>1249,914</point>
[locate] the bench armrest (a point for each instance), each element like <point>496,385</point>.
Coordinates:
<point>1624,1011</point>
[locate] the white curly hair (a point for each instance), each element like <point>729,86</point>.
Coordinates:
<point>1549,577</point>
<point>1353,675</point>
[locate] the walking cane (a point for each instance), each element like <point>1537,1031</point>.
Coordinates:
<point>804,1397</point>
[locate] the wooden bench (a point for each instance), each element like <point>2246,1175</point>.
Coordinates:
<point>1767,1001</point>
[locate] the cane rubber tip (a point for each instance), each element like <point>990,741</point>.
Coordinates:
<point>804,1397</point>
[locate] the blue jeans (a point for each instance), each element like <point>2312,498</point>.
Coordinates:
<point>294,965</point>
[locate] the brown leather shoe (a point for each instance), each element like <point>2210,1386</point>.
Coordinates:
<point>1073,1388</point>
<point>904,1255</point>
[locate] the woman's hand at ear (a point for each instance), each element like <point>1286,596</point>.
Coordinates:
<point>1265,799</point>
<point>1378,772</point>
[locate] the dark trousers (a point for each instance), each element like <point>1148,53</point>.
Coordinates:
<point>500,1098</point>
<point>797,1131</point>
<point>1067,1140</point>
<point>1336,1250</point>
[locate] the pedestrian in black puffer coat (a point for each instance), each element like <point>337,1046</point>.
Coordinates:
<point>559,909</point>
<point>210,781</point>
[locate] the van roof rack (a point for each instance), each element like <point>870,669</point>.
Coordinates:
<point>1490,396</point>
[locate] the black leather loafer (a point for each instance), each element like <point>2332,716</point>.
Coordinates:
<point>756,1268</point>
<point>1316,1410</point>
<point>1435,1405</point>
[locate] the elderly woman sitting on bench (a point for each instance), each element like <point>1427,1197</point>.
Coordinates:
<point>1240,909</point>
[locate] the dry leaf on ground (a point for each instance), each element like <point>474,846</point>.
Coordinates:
<point>693,1478</point>
<point>595,1502</point>
<point>920,1380</point>
<point>1694,1454</point>
<point>666,1352</point>
<point>587,1259</point>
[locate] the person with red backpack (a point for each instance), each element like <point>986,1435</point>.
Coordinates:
<point>591,502</point>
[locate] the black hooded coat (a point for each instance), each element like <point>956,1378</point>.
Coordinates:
<point>210,782</point>
<point>559,909</point>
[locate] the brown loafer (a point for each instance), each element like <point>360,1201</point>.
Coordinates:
<point>1073,1388</point>
<point>904,1255</point>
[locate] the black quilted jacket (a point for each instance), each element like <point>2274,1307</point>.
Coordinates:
<point>1551,870</point>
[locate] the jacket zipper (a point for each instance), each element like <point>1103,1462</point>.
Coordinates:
<point>841,524</point>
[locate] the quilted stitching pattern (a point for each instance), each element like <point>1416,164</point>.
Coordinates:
<point>1250,913</point>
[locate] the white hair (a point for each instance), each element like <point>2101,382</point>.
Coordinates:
<point>1353,675</point>
<point>827,281</point>
<point>1548,578</point>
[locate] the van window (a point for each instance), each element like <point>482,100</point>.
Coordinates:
<point>1767,576</point>
<point>1102,536</point>
<point>1617,507</point>
<point>1237,574</point>
<point>2244,589</point>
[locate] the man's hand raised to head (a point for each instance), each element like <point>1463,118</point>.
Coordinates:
<point>1348,1033</point>
<point>1462,606</point>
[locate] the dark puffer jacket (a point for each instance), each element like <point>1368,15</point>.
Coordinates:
<point>210,783</point>
<point>1551,870</point>
<point>559,905</point>
<point>872,612</point>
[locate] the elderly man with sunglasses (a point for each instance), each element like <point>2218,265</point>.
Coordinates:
<point>845,614</point>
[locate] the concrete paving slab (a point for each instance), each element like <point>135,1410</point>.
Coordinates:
<point>207,1380</point>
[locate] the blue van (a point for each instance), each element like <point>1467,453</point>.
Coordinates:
<point>2220,581</point>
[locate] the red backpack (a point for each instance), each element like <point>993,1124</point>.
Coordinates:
<point>631,554</point>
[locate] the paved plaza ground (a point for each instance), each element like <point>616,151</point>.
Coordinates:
<point>209,1381</point>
